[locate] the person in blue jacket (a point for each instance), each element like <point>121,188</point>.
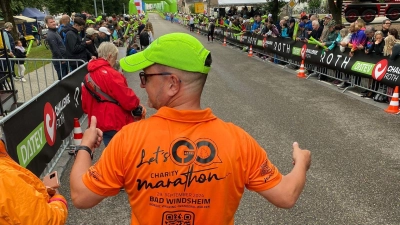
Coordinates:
<point>256,25</point>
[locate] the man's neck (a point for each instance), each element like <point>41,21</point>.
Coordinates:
<point>184,102</point>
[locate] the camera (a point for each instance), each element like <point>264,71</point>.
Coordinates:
<point>138,111</point>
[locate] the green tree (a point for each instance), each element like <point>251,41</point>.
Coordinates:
<point>274,7</point>
<point>8,16</point>
<point>192,9</point>
<point>18,5</point>
<point>336,10</point>
<point>15,7</point>
<point>314,4</point>
<point>70,6</point>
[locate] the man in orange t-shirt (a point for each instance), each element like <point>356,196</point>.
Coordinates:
<point>183,164</point>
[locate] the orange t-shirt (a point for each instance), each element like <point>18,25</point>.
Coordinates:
<point>182,167</point>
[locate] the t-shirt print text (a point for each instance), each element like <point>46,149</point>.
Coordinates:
<point>183,152</point>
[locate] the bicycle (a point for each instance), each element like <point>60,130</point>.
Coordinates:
<point>44,41</point>
<point>43,37</point>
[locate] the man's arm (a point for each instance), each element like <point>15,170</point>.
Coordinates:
<point>81,196</point>
<point>52,40</point>
<point>27,205</point>
<point>286,193</point>
<point>73,44</point>
<point>123,94</point>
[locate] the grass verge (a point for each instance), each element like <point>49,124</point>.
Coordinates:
<point>37,52</point>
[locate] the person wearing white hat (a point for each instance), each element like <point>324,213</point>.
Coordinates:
<point>91,35</point>
<point>104,30</point>
<point>104,35</point>
<point>325,30</point>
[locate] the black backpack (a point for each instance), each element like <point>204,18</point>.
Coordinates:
<point>144,38</point>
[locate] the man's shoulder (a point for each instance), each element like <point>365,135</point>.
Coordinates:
<point>52,34</point>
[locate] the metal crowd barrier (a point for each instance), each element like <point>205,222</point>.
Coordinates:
<point>42,75</point>
<point>67,143</point>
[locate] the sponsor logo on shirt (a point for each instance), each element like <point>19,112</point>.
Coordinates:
<point>265,169</point>
<point>199,158</point>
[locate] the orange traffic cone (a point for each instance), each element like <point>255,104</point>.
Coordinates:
<point>301,73</point>
<point>394,103</point>
<point>224,44</point>
<point>250,51</point>
<point>77,132</point>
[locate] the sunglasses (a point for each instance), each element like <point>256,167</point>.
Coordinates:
<point>143,76</point>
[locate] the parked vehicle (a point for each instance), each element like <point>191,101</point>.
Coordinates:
<point>369,10</point>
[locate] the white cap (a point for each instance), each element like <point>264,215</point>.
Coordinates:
<point>104,30</point>
<point>270,15</point>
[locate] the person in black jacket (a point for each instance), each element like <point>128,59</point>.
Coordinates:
<point>57,47</point>
<point>377,45</point>
<point>316,31</point>
<point>292,22</point>
<point>141,27</point>
<point>8,26</point>
<point>75,46</point>
<point>91,35</point>
<point>20,53</point>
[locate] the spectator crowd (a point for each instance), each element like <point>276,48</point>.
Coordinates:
<point>357,37</point>
<point>78,36</point>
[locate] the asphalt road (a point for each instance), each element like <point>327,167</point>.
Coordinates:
<point>355,172</point>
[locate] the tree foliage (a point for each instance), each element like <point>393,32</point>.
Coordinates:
<point>314,4</point>
<point>274,7</point>
<point>336,10</point>
<point>69,6</point>
<point>8,15</point>
<point>18,5</point>
<point>192,9</point>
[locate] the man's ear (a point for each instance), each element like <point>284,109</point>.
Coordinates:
<point>174,84</point>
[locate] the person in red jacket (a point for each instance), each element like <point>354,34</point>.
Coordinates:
<point>106,94</point>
